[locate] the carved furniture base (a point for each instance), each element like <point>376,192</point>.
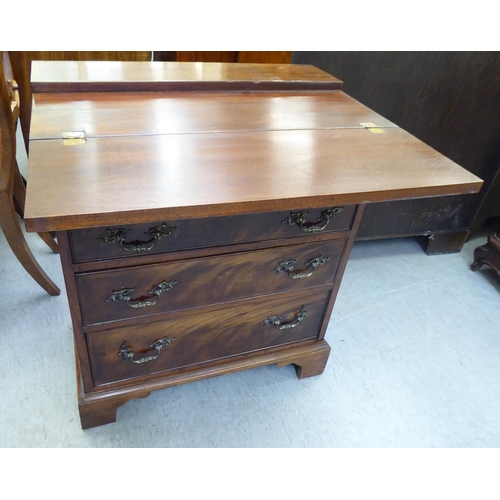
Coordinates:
<point>311,363</point>
<point>100,411</point>
<point>488,254</point>
<point>99,408</point>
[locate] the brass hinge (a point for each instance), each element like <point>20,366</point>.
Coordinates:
<point>73,138</point>
<point>374,129</point>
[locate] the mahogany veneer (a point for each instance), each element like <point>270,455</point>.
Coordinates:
<point>207,216</point>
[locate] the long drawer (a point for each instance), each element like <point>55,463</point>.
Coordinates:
<point>152,289</point>
<point>168,236</point>
<point>241,327</point>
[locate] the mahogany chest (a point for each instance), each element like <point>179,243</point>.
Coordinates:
<point>206,212</point>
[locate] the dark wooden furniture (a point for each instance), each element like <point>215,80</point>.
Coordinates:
<point>206,213</point>
<point>263,56</point>
<point>449,100</point>
<point>490,203</point>
<point>12,187</point>
<point>488,254</point>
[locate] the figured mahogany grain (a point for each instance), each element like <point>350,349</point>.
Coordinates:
<point>138,113</point>
<point>204,281</point>
<point>148,259</point>
<point>127,180</point>
<point>233,330</point>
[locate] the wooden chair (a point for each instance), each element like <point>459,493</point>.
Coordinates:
<point>12,185</point>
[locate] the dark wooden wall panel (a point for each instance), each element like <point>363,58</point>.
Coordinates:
<point>207,56</point>
<point>261,57</point>
<point>449,100</point>
<point>490,206</point>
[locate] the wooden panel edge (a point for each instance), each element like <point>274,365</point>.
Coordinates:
<point>83,366</point>
<point>68,87</point>
<point>43,223</point>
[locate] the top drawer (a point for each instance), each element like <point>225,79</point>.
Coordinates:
<point>168,236</point>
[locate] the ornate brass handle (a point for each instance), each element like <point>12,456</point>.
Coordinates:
<point>126,295</point>
<point>119,235</point>
<point>276,321</point>
<point>299,218</point>
<point>127,353</point>
<point>288,267</point>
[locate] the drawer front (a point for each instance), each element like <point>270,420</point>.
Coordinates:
<point>168,236</point>
<point>244,327</point>
<point>153,289</point>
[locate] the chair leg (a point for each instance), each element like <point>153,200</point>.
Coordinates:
<point>50,241</point>
<point>19,191</point>
<point>19,202</point>
<point>15,237</point>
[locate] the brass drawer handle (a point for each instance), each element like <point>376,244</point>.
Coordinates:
<point>127,353</point>
<point>289,265</point>
<point>276,320</point>
<point>299,218</point>
<point>119,235</point>
<point>126,295</point>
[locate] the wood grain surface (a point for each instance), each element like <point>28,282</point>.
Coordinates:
<point>135,113</point>
<point>89,245</point>
<point>134,179</point>
<point>21,64</point>
<point>73,76</point>
<point>204,281</point>
<point>205,337</point>
<point>174,155</point>
<point>265,56</point>
<point>449,100</point>
<point>208,157</point>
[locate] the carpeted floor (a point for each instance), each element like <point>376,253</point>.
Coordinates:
<point>414,363</point>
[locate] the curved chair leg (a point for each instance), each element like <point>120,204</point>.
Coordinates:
<point>50,241</point>
<point>19,192</point>
<point>15,237</point>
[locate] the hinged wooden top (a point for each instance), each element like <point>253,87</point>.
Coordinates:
<point>147,113</point>
<point>94,76</point>
<point>160,155</point>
